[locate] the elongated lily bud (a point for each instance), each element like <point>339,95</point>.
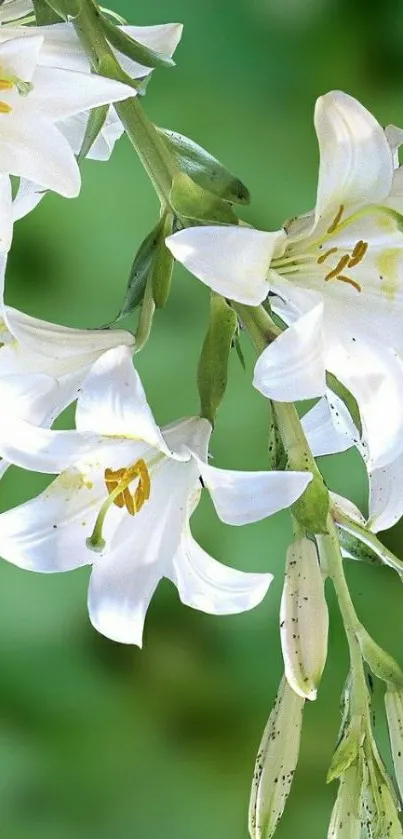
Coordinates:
<point>345,821</point>
<point>275,763</point>
<point>379,814</point>
<point>304,619</point>
<point>394,713</point>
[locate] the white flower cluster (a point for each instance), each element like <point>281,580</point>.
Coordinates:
<point>322,301</point>
<point>126,489</point>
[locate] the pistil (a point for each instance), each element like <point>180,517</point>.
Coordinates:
<point>117,483</point>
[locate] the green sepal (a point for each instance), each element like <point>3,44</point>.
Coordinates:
<point>238,349</point>
<point>95,125</point>
<point>277,453</point>
<point>212,371</point>
<point>380,663</point>
<point>162,264</point>
<point>346,751</point>
<point>353,548</point>
<point>132,48</point>
<point>45,14</point>
<point>312,508</point>
<point>191,202</point>
<point>204,169</point>
<point>139,273</point>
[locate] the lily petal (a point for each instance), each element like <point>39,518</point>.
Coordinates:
<point>19,56</point>
<point>356,163</point>
<point>386,495</point>
<point>118,598</point>
<point>42,156</point>
<point>48,533</point>
<point>233,261</point>
<point>205,584</point>
<point>113,401</point>
<point>328,427</point>
<point>293,366</point>
<point>138,554</point>
<point>58,93</point>
<point>244,497</point>
<point>374,375</point>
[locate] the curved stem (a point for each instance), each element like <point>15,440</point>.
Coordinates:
<point>154,155</point>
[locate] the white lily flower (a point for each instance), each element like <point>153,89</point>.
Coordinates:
<point>34,99</point>
<point>124,502</point>
<point>336,272</point>
<point>61,49</point>
<point>346,253</point>
<point>61,355</point>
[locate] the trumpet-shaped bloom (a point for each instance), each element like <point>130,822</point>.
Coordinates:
<point>61,49</point>
<point>336,272</point>
<point>34,100</point>
<point>123,503</point>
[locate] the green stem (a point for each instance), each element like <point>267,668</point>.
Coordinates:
<point>259,325</point>
<point>369,539</point>
<point>155,157</point>
<point>332,562</point>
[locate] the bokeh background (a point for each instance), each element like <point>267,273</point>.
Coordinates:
<point>99,740</point>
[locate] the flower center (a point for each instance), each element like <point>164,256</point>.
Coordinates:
<point>118,485</point>
<point>295,261</point>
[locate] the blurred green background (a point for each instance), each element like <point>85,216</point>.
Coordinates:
<point>98,740</point>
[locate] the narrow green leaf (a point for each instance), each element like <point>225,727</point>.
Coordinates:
<point>212,372</point>
<point>277,452</point>
<point>312,508</point>
<point>139,273</point>
<point>204,169</point>
<point>133,49</point>
<point>190,201</point>
<point>65,9</point>
<point>162,265</point>
<point>238,350</point>
<point>94,127</point>
<point>44,13</point>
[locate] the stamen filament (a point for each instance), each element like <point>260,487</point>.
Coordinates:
<point>342,263</point>
<point>336,220</point>
<point>324,256</point>
<point>349,281</point>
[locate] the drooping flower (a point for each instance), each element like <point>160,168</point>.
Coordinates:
<point>61,49</point>
<point>336,274</point>
<point>123,501</point>
<point>61,355</point>
<point>34,100</point>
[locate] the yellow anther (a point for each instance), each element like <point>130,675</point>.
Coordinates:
<point>358,253</point>
<point>4,108</point>
<point>336,219</point>
<point>324,256</point>
<point>5,84</point>
<point>349,281</point>
<point>123,478</point>
<point>342,263</point>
